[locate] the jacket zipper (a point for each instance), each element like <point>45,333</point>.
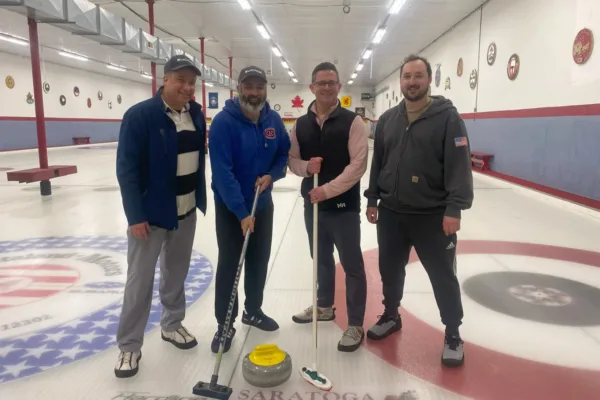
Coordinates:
<point>403,145</point>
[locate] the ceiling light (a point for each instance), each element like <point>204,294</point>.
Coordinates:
<point>13,39</point>
<point>276,51</point>
<point>290,73</point>
<point>263,31</point>
<point>367,54</point>
<point>350,82</point>
<point>208,84</point>
<point>395,8</point>
<point>73,56</point>
<point>145,75</point>
<point>285,65</point>
<point>116,67</point>
<point>354,75</point>
<point>360,66</point>
<point>379,35</point>
<point>245,5</point>
<point>295,80</point>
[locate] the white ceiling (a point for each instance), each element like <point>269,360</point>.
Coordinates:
<point>306,31</point>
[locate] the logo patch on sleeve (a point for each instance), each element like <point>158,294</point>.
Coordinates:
<point>460,141</point>
<point>270,133</point>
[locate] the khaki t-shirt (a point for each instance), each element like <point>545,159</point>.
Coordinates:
<point>413,115</point>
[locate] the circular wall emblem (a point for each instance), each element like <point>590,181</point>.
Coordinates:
<point>10,82</point>
<point>277,107</point>
<point>100,95</point>
<point>583,46</point>
<point>62,99</point>
<point>447,85</point>
<point>89,102</point>
<point>512,69</point>
<point>110,105</point>
<point>473,79</point>
<point>76,91</point>
<point>46,87</point>
<point>459,68</point>
<point>29,98</point>
<point>491,53</point>
<point>60,299</point>
<point>438,76</point>
<point>119,99</point>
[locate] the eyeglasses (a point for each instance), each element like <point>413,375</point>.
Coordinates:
<point>326,83</point>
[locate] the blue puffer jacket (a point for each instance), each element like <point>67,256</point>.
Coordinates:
<point>147,163</point>
<point>241,152</point>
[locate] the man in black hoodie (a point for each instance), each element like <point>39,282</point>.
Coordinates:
<point>420,181</point>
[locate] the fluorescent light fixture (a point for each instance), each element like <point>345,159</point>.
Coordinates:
<point>263,31</point>
<point>245,5</point>
<point>145,75</point>
<point>360,66</point>
<point>395,8</point>
<point>13,39</point>
<point>208,84</point>
<point>295,80</point>
<point>367,54</point>
<point>285,65</point>
<point>379,35</point>
<point>290,73</point>
<point>354,75</point>
<point>116,67</point>
<point>350,82</point>
<point>276,51</point>
<point>72,55</point>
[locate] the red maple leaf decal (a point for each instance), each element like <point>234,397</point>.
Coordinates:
<point>297,102</point>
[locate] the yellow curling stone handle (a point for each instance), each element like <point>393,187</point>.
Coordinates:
<point>266,355</point>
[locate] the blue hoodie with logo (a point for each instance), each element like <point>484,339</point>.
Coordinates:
<point>242,151</point>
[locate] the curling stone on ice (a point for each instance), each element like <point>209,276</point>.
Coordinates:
<point>267,366</point>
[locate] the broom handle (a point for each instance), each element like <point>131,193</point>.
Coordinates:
<point>315,273</point>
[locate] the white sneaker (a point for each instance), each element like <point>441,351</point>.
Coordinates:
<point>128,364</point>
<point>180,338</point>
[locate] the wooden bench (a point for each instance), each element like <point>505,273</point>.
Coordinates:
<point>481,160</point>
<point>41,174</point>
<point>81,140</point>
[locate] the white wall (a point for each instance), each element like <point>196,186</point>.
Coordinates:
<point>62,81</point>
<point>541,32</point>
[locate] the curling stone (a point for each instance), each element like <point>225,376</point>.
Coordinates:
<point>267,366</point>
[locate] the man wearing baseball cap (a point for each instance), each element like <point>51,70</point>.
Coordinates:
<point>249,148</point>
<point>160,169</point>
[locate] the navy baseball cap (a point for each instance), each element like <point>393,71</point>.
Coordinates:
<point>250,71</point>
<point>178,62</point>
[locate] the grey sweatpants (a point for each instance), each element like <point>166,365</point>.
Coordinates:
<point>175,250</point>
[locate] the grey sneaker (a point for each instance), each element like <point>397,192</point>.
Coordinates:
<point>127,364</point>
<point>352,339</point>
<point>386,325</point>
<point>453,355</point>
<point>323,314</point>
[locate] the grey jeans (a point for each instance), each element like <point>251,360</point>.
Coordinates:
<point>175,250</point>
<point>342,230</point>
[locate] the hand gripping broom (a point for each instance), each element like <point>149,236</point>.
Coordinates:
<point>311,375</point>
<point>213,390</point>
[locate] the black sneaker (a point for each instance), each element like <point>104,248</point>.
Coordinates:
<point>216,342</point>
<point>386,325</point>
<point>453,354</point>
<point>260,321</point>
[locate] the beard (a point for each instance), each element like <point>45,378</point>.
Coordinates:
<point>252,104</point>
<point>415,92</point>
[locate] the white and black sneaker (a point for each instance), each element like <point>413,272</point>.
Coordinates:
<point>128,364</point>
<point>453,355</point>
<point>180,338</point>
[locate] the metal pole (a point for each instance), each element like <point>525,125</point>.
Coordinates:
<point>38,95</point>
<point>230,76</point>
<point>204,92</point>
<point>151,23</point>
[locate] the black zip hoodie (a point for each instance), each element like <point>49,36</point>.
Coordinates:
<point>423,167</point>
